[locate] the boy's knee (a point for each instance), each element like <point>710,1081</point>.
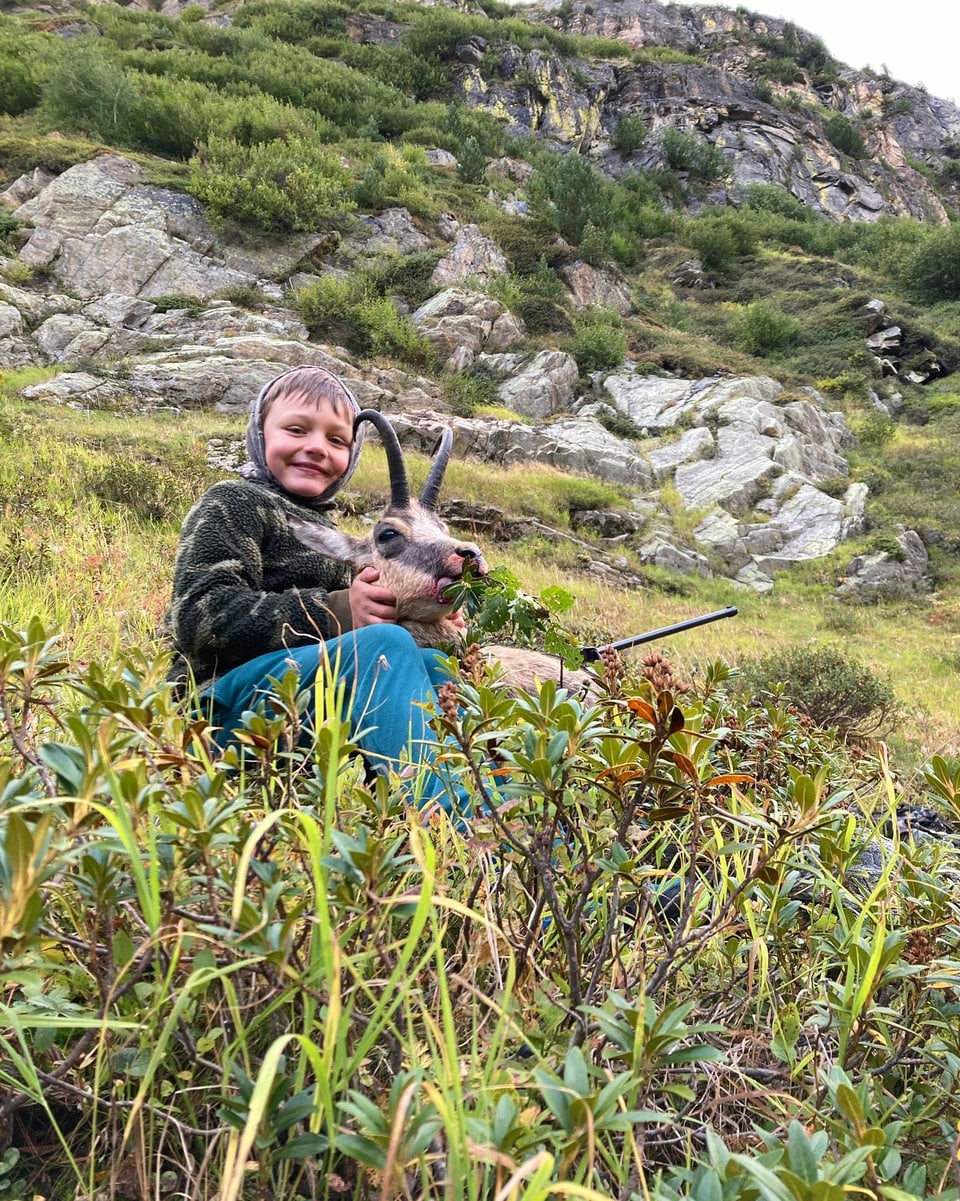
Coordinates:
<point>389,639</point>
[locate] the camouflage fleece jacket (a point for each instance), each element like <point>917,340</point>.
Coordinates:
<point>244,585</point>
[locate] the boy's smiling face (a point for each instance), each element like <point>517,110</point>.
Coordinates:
<point>307,443</point>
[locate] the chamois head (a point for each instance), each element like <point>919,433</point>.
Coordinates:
<point>410,545</point>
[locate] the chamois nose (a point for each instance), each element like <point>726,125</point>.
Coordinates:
<point>472,556</point>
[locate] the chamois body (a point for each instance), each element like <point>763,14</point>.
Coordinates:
<point>419,560</point>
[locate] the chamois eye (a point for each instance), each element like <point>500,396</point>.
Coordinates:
<point>390,542</point>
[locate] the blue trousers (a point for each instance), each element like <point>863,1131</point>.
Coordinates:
<point>390,694</point>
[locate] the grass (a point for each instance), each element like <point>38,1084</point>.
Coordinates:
<point>268,976</point>
<point>91,519</point>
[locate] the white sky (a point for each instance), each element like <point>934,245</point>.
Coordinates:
<point>918,41</point>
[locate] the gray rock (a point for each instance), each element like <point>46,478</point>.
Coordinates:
<point>543,387</point>
<point>11,321</point>
<point>474,256</point>
<point>884,576</point>
<point>392,232</point>
<point>693,446</point>
<point>605,287</point>
<point>457,317</point>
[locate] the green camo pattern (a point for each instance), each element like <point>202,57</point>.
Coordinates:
<point>243,584</point>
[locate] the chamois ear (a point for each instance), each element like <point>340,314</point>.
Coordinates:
<point>332,543</point>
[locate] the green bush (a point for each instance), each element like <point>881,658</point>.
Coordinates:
<point>842,134</point>
<point>771,198</point>
<point>467,391</point>
<point>471,164</point>
<point>629,134</point>
<point>599,341</point>
<point>693,154</point>
<point>932,272</point>
<point>20,88</point>
<point>353,311</point>
<point>279,187</point>
<point>720,241</point>
<point>567,194</point>
<point>761,328</point>
<point>833,690</point>
<point>87,89</point>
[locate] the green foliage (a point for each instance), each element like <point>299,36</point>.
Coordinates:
<point>353,310</point>
<point>843,134</point>
<point>932,272</point>
<point>567,194</point>
<point>720,241</point>
<point>762,329</point>
<point>876,430</point>
<point>599,341</point>
<point>769,198</point>
<point>280,187</point>
<point>462,122</point>
<point>191,305</point>
<point>20,74</point>
<point>471,164</point>
<point>467,391</point>
<point>396,176</point>
<point>8,225</point>
<point>692,154</point>
<point>832,689</point>
<point>87,89</point>
<point>629,134</point>
<point>619,828</point>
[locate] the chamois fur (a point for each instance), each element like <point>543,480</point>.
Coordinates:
<point>418,561</point>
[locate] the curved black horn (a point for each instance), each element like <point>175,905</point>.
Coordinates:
<point>399,488</point>
<point>430,492</point>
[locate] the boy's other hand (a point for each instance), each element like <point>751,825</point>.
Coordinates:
<point>370,604</point>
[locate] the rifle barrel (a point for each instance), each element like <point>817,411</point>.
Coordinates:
<point>592,653</point>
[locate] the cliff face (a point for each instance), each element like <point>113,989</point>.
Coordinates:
<point>761,91</point>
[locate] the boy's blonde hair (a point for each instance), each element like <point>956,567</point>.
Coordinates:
<point>316,384</point>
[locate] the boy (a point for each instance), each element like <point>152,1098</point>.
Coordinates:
<point>250,601</point>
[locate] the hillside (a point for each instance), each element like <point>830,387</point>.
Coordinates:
<point>576,234</point>
<point>687,291</point>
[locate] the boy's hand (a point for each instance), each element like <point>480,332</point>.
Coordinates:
<point>369,603</point>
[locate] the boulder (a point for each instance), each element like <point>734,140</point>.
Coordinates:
<point>473,256</point>
<point>886,575</point>
<point>589,287</point>
<point>457,318</point>
<point>543,387</point>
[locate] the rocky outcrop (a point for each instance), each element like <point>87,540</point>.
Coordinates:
<point>767,132</point>
<point>763,471</point>
<point>462,323</point>
<point>98,228</point>
<point>887,574</point>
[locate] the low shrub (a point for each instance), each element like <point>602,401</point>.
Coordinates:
<point>280,187</point>
<point>720,241</point>
<point>566,194</point>
<point>693,154</point>
<point>20,86</point>
<point>467,391</point>
<point>629,134</point>
<point>352,310</point>
<point>932,271</point>
<point>844,135</point>
<point>762,329</point>
<point>599,341</point>
<point>832,689</point>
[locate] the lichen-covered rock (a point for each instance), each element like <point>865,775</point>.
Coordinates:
<point>886,575</point>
